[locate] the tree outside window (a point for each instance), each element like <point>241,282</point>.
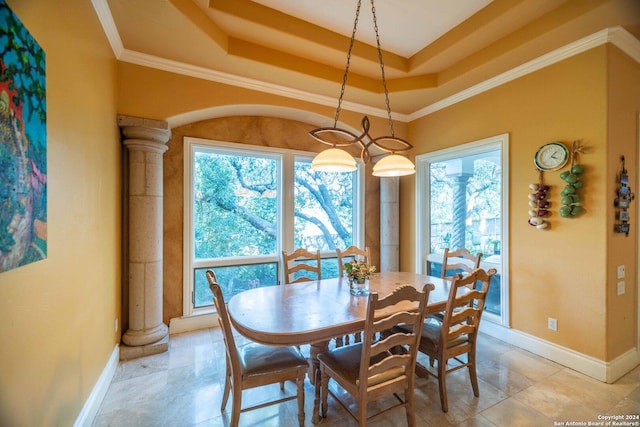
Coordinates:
<point>240,220</point>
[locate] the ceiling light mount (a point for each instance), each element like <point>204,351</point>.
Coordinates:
<point>334,159</point>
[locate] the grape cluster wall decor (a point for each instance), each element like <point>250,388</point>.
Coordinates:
<point>538,201</point>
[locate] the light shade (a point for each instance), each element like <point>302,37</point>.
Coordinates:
<point>394,165</point>
<point>334,160</point>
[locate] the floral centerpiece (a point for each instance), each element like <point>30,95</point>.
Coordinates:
<point>358,271</point>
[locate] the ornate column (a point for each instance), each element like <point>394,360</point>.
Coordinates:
<point>389,224</point>
<point>145,140</point>
<point>459,170</point>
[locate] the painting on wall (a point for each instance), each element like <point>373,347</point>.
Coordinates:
<point>23,145</point>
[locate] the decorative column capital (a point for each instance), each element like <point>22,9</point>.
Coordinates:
<point>144,129</point>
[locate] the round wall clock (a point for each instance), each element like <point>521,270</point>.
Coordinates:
<point>551,156</point>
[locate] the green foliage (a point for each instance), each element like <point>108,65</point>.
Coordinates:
<point>235,205</point>
<point>483,198</point>
<point>235,214</point>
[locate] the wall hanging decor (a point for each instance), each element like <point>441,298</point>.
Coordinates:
<point>23,142</point>
<point>551,157</point>
<point>539,204</point>
<point>623,201</point>
<point>571,202</point>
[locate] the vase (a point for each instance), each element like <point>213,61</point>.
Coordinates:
<point>359,287</point>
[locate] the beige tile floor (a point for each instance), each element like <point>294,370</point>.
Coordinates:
<point>183,387</point>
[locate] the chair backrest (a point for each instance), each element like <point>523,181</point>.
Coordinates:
<point>352,252</point>
<point>460,259</point>
<point>294,262</point>
<point>225,323</point>
<point>462,315</point>
<point>383,371</point>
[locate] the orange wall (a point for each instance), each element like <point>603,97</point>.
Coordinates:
<point>57,315</point>
<point>566,271</point>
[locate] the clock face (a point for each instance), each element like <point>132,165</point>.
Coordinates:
<point>551,156</point>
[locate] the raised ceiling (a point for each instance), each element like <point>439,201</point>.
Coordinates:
<point>432,49</point>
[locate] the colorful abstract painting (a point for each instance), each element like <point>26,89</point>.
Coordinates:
<point>23,145</point>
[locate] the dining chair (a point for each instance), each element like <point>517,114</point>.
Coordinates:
<point>371,369</point>
<point>456,333</point>
<point>295,262</point>
<point>460,259</point>
<point>255,365</point>
<point>352,252</point>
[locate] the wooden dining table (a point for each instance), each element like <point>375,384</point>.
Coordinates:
<point>318,311</point>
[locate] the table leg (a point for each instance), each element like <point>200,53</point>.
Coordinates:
<point>314,375</point>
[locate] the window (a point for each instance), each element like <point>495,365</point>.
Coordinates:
<point>462,199</point>
<point>245,204</point>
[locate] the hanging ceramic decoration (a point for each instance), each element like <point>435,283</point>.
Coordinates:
<point>571,202</point>
<point>539,204</point>
<point>623,201</point>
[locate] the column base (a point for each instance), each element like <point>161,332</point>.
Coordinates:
<point>128,352</point>
<point>135,337</point>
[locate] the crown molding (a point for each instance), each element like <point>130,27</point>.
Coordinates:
<point>618,36</point>
<point>109,26</point>
<point>151,61</point>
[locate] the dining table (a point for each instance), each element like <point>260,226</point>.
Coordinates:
<point>316,312</point>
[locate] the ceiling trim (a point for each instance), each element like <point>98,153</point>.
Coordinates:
<point>109,26</point>
<point>615,35</point>
<point>288,113</point>
<point>618,36</point>
<point>247,83</point>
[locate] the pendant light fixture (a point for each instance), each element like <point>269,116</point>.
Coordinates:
<point>335,159</point>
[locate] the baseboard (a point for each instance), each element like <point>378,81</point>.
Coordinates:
<point>179,325</point>
<point>603,371</point>
<point>93,402</point>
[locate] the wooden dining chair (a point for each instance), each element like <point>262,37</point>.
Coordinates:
<point>372,369</point>
<point>460,259</point>
<point>352,252</point>
<point>456,334</point>
<point>298,261</point>
<point>255,365</point>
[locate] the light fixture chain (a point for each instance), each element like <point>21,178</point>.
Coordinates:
<point>346,69</point>
<point>384,81</point>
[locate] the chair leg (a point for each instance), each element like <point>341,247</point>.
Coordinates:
<point>471,362</point>
<point>300,383</point>
<point>411,410</point>
<point>227,387</point>
<point>442,384</point>
<point>324,381</point>
<point>237,405</point>
<point>362,413</point>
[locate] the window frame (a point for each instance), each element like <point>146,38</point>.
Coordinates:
<point>423,214</point>
<point>285,159</point>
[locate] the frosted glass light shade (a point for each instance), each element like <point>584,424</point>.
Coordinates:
<point>333,160</point>
<point>393,165</point>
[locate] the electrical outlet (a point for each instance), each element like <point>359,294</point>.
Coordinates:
<point>621,272</point>
<point>552,323</point>
<point>621,287</point>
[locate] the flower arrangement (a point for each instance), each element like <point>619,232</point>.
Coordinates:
<point>358,270</point>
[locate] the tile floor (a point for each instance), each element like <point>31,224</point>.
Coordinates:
<point>183,387</point>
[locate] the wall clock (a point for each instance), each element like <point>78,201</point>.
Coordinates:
<point>551,156</point>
